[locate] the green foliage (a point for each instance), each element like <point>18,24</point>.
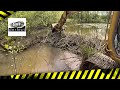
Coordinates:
<point>6,46</point>
<point>7,38</point>
<point>33,19</point>
<point>87,17</point>
<point>87,51</point>
<point>11,48</point>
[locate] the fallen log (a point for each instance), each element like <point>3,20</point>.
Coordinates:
<point>100,60</point>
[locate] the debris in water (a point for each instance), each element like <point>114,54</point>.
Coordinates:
<point>12,65</point>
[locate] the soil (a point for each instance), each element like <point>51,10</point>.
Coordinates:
<point>73,43</point>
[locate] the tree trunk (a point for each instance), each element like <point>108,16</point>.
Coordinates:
<point>62,21</point>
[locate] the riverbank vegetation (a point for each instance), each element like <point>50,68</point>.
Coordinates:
<point>38,20</point>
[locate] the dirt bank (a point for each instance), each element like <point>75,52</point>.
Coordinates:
<point>85,48</point>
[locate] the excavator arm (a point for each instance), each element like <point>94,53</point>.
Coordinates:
<point>113,35</point>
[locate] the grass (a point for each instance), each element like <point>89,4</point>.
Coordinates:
<point>87,51</point>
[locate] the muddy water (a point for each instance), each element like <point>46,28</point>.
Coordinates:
<point>6,64</point>
<point>38,59</point>
<point>44,58</point>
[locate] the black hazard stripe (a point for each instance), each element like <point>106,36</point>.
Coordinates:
<point>82,74</point>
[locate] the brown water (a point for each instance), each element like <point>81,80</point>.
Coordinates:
<point>38,59</point>
<point>44,58</point>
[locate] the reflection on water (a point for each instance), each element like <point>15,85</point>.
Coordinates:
<point>88,30</point>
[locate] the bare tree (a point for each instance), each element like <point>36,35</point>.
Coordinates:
<point>62,21</point>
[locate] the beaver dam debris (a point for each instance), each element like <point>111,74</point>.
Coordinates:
<point>77,44</point>
<point>87,49</point>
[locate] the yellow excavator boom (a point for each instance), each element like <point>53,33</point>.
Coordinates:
<point>111,36</point>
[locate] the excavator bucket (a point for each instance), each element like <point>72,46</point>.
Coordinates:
<point>113,42</point>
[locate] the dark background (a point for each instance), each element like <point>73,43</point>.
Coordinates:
<point>84,5</point>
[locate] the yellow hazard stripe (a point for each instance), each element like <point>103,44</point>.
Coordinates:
<point>48,75</point>
<point>42,76</point>
<point>66,75</point>
<point>102,75</point>
<point>91,74</point>
<point>4,15</point>
<point>54,75</point>
<point>115,73</point>
<point>60,75</point>
<point>78,75</point>
<point>118,77</point>
<point>108,76</point>
<point>97,73</point>
<point>12,76</point>
<point>29,76</point>
<point>36,75</point>
<point>85,74</point>
<point>72,75</point>
<point>23,76</point>
<point>17,76</point>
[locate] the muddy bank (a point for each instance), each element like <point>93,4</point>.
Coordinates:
<point>83,47</point>
<point>71,42</point>
<point>91,50</point>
